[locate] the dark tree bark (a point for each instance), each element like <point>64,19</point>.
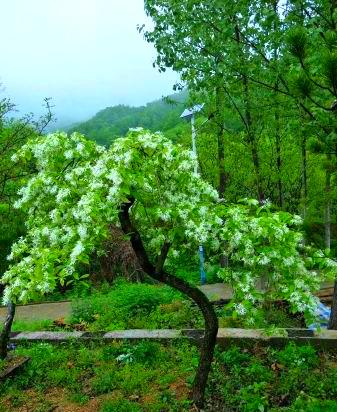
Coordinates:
<point>251,138</point>
<point>277,115</point>
<point>304,174</point>
<point>327,206</point>
<point>278,157</point>
<point>248,119</point>
<point>220,127</point>
<point>333,315</point>
<point>4,336</point>
<point>157,273</point>
<point>279,181</point>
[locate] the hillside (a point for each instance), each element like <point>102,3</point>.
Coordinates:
<point>115,121</point>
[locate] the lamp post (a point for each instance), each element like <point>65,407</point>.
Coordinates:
<point>189,114</point>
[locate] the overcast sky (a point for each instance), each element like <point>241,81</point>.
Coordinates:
<point>85,54</point>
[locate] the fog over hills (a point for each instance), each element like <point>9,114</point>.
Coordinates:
<point>84,54</point>
<point>115,121</point>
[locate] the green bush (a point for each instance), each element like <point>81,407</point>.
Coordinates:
<point>134,306</point>
<point>234,357</point>
<point>297,356</point>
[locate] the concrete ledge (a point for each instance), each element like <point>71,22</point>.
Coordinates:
<point>45,336</point>
<point>131,334</point>
<point>325,339</point>
<point>143,334</point>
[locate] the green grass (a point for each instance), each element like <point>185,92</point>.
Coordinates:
<point>118,375</point>
<point>32,326</point>
<point>148,376</point>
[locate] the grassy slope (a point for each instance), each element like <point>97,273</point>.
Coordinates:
<point>153,377</point>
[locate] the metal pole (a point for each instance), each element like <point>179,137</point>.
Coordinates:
<point>202,261</point>
<point>201,248</point>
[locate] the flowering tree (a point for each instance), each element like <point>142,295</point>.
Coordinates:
<point>146,185</point>
<point>143,183</point>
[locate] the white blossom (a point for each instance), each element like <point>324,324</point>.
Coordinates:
<point>240,309</point>
<point>78,249</point>
<point>62,193</point>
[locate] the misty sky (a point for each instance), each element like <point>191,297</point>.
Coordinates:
<point>85,54</point>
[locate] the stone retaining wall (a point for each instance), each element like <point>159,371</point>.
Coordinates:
<point>325,339</point>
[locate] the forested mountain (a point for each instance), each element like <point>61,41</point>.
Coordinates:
<point>111,122</point>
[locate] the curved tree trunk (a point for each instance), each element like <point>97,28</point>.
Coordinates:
<point>157,273</point>
<point>4,336</point>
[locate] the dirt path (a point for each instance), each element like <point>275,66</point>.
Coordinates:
<point>217,292</point>
<point>41,311</point>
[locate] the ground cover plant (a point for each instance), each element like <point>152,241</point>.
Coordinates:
<point>133,377</point>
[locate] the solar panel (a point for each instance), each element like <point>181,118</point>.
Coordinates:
<point>187,113</point>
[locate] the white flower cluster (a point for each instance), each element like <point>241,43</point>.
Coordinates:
<point>76,196</point>
<point>264,250</point>
<point>77,193</point>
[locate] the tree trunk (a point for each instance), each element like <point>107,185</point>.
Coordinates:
<point>304,175</point>
<point>5,333</point>
<point>327,239</point>
<point>279,181</point>
<point>157,273</point>
<point>277,113</point>
<point>278,157</point>
<point>219,120</point>
<point>333,314</point>
<point>248,120</point>
<point>256,163</point>
<point>252,139</point>
<point>327,210</point>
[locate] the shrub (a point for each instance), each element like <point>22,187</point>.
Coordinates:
<point>297,356</point>
<point>123,304</point>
